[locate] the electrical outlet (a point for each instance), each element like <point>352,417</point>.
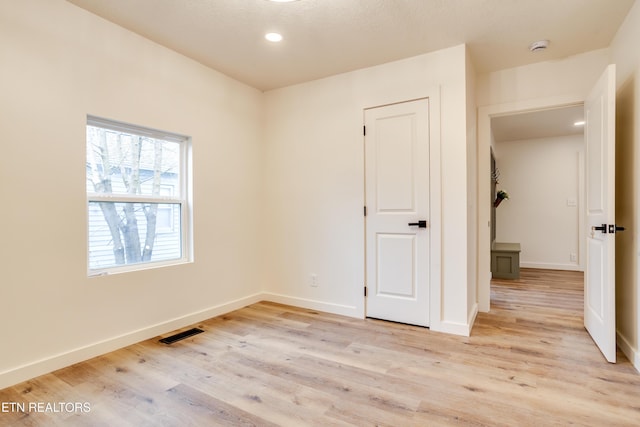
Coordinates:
<point>573,257</point>
<point>313,280</point>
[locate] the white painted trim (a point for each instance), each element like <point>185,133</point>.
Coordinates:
<point>326,307</point>
<point>582,211</point>
<point>632,354</point>
<point>61,360</point>
<point>456,328</point>
<point>435,203</point>
<point>472,317</point>
<point>550,266</point>
<point>483,252</point>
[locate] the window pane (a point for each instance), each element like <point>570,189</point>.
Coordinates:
<point>125,163</point>
<point>132,233</point>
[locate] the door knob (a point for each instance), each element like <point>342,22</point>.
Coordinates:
<point>420,224</point>
<point>615,228</point>
<point>611,228</point>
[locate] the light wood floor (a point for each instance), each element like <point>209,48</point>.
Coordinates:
<point>528,362</point>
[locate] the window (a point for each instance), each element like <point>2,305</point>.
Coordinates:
<point>136,197</point>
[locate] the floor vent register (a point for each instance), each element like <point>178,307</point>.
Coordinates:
<point>181,335</point>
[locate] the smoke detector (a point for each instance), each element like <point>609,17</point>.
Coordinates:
<point>539,46</point>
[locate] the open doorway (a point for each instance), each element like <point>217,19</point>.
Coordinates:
<point>599,209</point>
<point>539,167</point>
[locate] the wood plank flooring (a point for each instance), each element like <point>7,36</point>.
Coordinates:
<point>527,363</point>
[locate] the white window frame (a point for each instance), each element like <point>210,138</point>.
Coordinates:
<point>183,198</point>
<point>170,228</point>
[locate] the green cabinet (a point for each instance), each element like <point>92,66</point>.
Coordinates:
<point>505,260</point>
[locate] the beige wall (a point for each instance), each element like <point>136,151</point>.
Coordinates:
<point>58,64</point>
<point>550,80</point>
<point>541,175</point>
<point>626,56</point>
<point>315,183</point>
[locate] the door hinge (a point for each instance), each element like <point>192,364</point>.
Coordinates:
<point>365,291</point>
<point>364,130</point>
<point>365,211</point>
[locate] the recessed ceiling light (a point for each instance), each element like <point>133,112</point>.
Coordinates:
<point>579,123</point>
<point>273,37</point>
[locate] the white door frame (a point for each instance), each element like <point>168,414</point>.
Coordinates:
<point>485,114</point>
<point>435,190</point>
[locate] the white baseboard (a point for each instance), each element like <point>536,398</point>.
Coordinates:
<point>550,266</point>
<point>454,328</point>
<point>46,365</point>
<point>472,317</point>
<point>344,310</point>
<point>33,369</point>
<point>457,328</point>
<point>632,354</point>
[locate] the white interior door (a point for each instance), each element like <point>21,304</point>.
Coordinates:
<point>397,195</point>
<point>599,288</point>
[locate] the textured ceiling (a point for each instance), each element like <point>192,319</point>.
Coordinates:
<point>326,37</point>
<point>538,124</point>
